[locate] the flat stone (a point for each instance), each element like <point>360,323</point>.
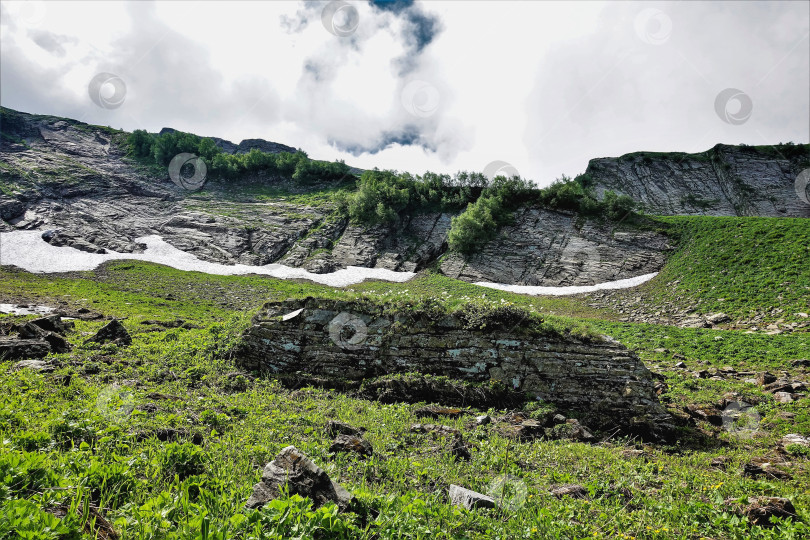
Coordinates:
<point>783,397</point>
<point>469,499</point>
<point>36,365</point>
<point>761,509</point>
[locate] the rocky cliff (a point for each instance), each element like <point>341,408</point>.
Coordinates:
<point>351,340</point>
<point>73,182</point>
<point>723,181</point>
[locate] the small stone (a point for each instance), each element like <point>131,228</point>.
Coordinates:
<point>36,365</point>
<point>469,499</point>
<point>794,438</point>
<point>680,365</point>
<point>783,397</point>
<point>570,490</point>
<point>483,420</point>
<point>718,318</point>
<point>335,428</point>
<point>351,443</point>
<point>764,378</point>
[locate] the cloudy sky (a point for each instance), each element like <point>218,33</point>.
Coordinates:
<point>416,86</point>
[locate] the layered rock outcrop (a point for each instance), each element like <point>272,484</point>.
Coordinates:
<point>723,181</point>
<point>348,340</point>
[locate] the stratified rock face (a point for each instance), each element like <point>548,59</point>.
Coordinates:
<point>723,181</point>
<point>345,340</point>
<point>550,248</point>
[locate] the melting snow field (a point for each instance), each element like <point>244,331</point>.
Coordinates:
<point>573,289</point>
<point>27,250</point>
<point>30,252</point>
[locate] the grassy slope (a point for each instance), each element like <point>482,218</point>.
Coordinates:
<point>740,266</point>
<point>673,493</point>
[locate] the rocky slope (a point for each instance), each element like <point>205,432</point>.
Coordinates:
<point>723,181</point>
<point>73,182</point>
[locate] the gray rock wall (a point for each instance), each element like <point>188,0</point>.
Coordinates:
<point>344,340</point>
<point>723,181</point>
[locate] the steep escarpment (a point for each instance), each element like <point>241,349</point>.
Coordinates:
<point>354,340</point>
<point>723,181</point>
<point>75,183</point>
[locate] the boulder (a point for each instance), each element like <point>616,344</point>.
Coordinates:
<point>293,469</point>
<point>469,499</point>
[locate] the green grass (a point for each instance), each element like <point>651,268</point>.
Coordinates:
<point>82,442</point>
<point>740,266</point>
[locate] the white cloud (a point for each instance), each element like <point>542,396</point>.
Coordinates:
<point>542,85</point>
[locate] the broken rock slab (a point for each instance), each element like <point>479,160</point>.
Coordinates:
<point>112,332</point>
<point>295,470</point>
<point>16,349</point>
<point>469,499</point>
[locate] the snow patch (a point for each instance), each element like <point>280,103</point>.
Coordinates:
<point>27,250</point>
